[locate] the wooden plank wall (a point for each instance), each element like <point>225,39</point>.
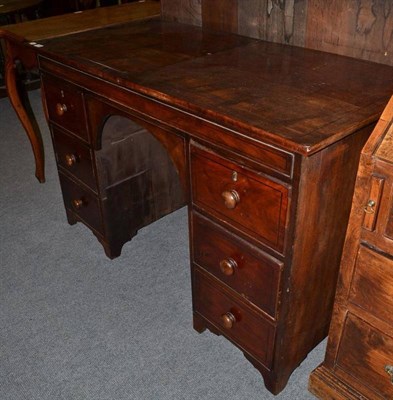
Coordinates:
<point>184,11</point>
<point>356,28</point>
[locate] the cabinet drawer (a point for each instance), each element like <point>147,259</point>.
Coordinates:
<point>372,285</point>
<point>64,103</point>
<point>74,156</point>
<point>248,329</point>
<point>82,203</point>
<point>249,271</point>
<point>246,200</point>
<point>365,353</point>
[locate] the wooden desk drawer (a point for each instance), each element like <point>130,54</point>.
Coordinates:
<point>364,353</point>
<point>64,102</point>
<point>249,330</point>
<point>82,203</point>
<point>249,271</point>
<point>240,197</point>
<point>74,156</point>
<point>372,284</point>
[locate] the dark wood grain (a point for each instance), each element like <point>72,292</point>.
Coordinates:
<point>258,199</point>
<point>302,99</point>
<point>89,209</point>
<point>184,11</point>
<point>221,15</point>
<point>74,156</point>
<point>256,275</point>
<point>276,21</point>
<point>212,301</point>
<point>65,106</point>
<point>361,28</point>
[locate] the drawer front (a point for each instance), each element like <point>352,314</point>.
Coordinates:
<point>74,156</point>
<point>366,353</point>
<point>239,197</point>
<point>236,320</point>
<point>64,102</point>
<point>372,285</point>
<point>249,271</point>
<point>82,203</point>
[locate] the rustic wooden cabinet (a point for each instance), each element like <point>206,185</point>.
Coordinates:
<point>359,357</point>
<point>260,140</point>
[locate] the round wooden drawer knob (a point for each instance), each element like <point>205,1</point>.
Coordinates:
<point>71,159</point>
<point>228,320</point>
<point>231,198</point>
<point>60,109</point>
<point>77,204</point>
<point>228,266</point>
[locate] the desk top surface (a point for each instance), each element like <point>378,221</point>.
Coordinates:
<point>301,99</point>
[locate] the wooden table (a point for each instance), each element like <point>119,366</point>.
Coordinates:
<point>260,140</point>
<point>18,51</point>
<point>13,9</point>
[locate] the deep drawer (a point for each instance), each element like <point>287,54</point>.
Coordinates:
<point>372,284</point>
<point>247,328</point>
<point>249,271</point>
<point>237,196</point>
<point>64,102</point>
<point>366,354</point>
<point>74,156</point>
<point>82,203</point>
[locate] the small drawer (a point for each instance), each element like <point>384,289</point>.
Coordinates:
<point>239,197</point>
<point>64,102</point>
<point>252,273</point>
<point>372,284</point>
<point>74,156</point>
<point>82,203</point>
<point>367,355</point>
<point>236,320</point>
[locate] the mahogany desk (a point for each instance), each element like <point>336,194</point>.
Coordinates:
<point>17,35</point>
<point>260,140</point>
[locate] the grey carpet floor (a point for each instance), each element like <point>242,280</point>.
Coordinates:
<point>75,325</point>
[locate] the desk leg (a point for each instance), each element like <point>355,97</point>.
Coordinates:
<point>19,100</point>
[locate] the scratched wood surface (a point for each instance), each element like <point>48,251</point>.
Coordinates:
<point>356,28</point>
<point>274,20</point>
